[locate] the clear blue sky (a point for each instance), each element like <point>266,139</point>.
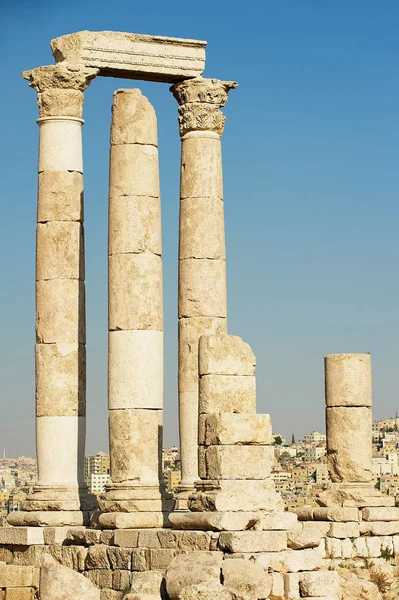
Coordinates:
<point>311,194</point>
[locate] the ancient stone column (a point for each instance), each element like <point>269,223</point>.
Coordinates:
<point>134,496</point>
<point>60,496</point>
<point>202,259</point>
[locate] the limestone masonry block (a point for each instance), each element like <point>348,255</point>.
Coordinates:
<point>135,292</point>
<point>319,583</point>
<point>348,379</point>
<point>135,444</point>
<point>202,228</point>
<point>232,428</point>
<point>60,196</point>
<point>138,519</point>
<point>190,330</point>
<point>132,55</point>
<point>253,541</point>
<point>60,380</point>
<point>237,462</point>
<point>60,144</point>
<point>216,521</point>
<point>201,166</point>
<point>380,514</point>
<point>302,560</point>
<point>60,311</point>
<point>227,393</point>
<point>16,576</point>
<point>60,250</point>
<point>21,536</point>
<point>135,369</point>
<point>349,444</point>
<point>246,579</point>
<point>133,119</point>
<point>202,288</point>
<point>192,569</point>
<point>307,537</point>
<point>133,171</point>
<point>336,514</point>
<point>344,530</point>
<point>236,495</point>
<point>225,355</point>
<point>134,225</point>
<point>203,591</point>
<point>19,593</point>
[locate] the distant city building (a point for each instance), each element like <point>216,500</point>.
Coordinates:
<point>315,438</point>
<point>98,464</point>
<point>173,480</point>
<point>97,482</point>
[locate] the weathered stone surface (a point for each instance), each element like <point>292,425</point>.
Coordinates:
<point>60,250</point>
<point>24,536</point>
<point>184,540</point>
<point>121,579</point>
<point>354,495</point>
<point>135,520</point>
<point>236,495</point>
<point>60,139</point>
<point>132,55</point>
<point>237,462</point>
<point>60,583</point>
<point>140,559</point>
<point>16,576</point>
<point>60,196</point>
<point>135,445</point>
<point>211,590</point>
<point>106,594</point>
<point>246,580</point>
<point>60,312</point>
<point>60,380</point>
<point>134,170</point>
<point>202,288</point>
<point>102,578</point>
<point>278,520</point>
<point>253,541</point>
<point>232,428</point>
<point>201,167</point>
<point>380,514</point>
<point>190,330</point>
<point>384,528</point>
<point>135,379</point>
<point>160,558</point>
<point>150,582</point>
<point>202,229</point>
<point>319,583</point>
<point>348,379</point>
<point>291,586</point>
<point>134,225</point>
<point>19,593</point>
<point>302,560</point>
<point>135,292</point>
<point>48,518</point>
<point>225,355</point>
<point>192,569</point>
<point>133,119</point>
<point>336,514</point>
<point>227,393</point>
<point>307,537</point>
<point>354,588</point>
<point>344,530</point>
<point>349,444</point>
<point>97,557</point>
<point>119,558</point>
<point>215,521</point>
<point>277,592</point>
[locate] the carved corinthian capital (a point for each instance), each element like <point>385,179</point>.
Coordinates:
<point>200,100</point>
<point>60,88</point>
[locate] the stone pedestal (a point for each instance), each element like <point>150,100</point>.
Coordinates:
<point>60,496</point>
<point>202,260</point>
<point>135,351</point>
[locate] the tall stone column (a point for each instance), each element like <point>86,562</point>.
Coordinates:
<point>202,258</point>
<point>60,496</point>
<point>135,496</point>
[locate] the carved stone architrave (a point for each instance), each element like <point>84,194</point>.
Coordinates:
<point>60,88</point>
<point>200,100</point>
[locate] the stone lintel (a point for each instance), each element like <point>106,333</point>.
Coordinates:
<point>132,56</point>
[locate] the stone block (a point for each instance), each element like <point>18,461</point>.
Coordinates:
<point>373,547</point>
<point>347,548</point>
<point>344,530</point>
<point>133,119</point>
<point>201,167</point>
<point>291,586</point>
<point>277,592</point>
<point>134,225</point>
<point>135,292</point>
<point>236,495</point>
<point>126,538</point>
<point>135,445</point>
<point>227,393</point>
<point>253,541</point>
<point>338,514</point>
<point>31,556</point>
<point>121,579</point>
<point>349,444</point>
<point>161,558</point>
<point>385,528</point>
<point>60,196</point>
<point>360,547</point>
<point>60,144</point>
<point>309,559</point>
<point>204,591</point>
<point>237,462</point>
<point>60,250</point>
<point>192,569</point>
<point>202,288</point>
<point>307,537</point>
<point>282,520</point>
<point>319,583</point>
<point>133,170</point>
<point>232,428</point>
<point>16,576</point>
<point>97,557</point>
<point>202,229</point>
<point>215,521</point>
<point>60,311</point>
<point>140,559</point>
<point>246,580</point>
<point>380,514</point>
<point>19,593</point>
<point>190,330</point>
<point>101,578</point>
<point>144,520</point>
<point>184,540</point>
<point>348,379</point>
<point>150,582</point>
<point>106,594</point>
<point>135,378</point>
<point>354,495</point>
<point>60,380</point>
<point>21,536</point>
<point>225,355</point>
<point>333,548</point>
<point>148,539</point>
<point>133,56</point>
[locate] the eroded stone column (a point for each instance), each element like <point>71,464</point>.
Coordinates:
<point>60,496</point>
<point>202,259</point>
<point>134,496</point>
